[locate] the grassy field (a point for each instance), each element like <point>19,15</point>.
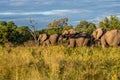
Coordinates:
<point>59,63</point>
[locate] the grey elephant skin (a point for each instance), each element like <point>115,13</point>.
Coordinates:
<point>46,39</point>
<point>76,39</point>
<point>107,38</point>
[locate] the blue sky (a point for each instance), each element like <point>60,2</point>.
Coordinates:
<point>44,11</point>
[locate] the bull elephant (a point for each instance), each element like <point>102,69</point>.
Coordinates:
<point>76,39</point>
<point>46,39</point>
<point>107,38</point>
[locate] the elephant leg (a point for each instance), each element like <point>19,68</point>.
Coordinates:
<point>103,42</point>
<point>60,40</point>
<point>46,43</point>
<point>72,43</point>
<point>80,42</point>
<point>99,43</point>
<point>86,41</point>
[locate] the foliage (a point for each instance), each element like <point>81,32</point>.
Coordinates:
<point>11,24</point>
<point>67,27</point>
<point>60,23</point>
<point>59,63</point>
<point>3,34</point>
<point>8,34</point>
<point>58,30</point>
<point>41,31</point>
<point>85,26</point>
<point>24,34</point>
<point>3,23</point>
<point>110,23</point>
<point>11,33</point>
<point>54,31</point>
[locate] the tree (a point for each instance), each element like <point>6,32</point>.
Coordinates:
<point>68,27</point>
<point>110,23</point>
<point>114,22</point>
<point>11,24</point>
<point>13,35</point>
<point>3,23</point>
<point>54,31</point>
<point>82,26</point>
<point>60,23</point>
<point>3,34</point>
<point>33,30</point>
<point>63,22</point>
<point>91,28</point>
<point>24,34</point>
<point>101,24</point>
<point>8,34</point>
<point>85,26</point>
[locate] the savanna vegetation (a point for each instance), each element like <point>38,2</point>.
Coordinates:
<point>59,63</point>
<point>22,59</point>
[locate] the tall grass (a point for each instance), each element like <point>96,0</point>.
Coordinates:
<point>59,63</point>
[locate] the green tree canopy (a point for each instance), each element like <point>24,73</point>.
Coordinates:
<point>91,27</point>
<point>54,31</point>
<point>3,23</point>
<point>110,23</point>
<point>24,33</point>
<point>68,27</point>
<point>81,26</point>
<point>8,34</point>
<point>85,26</point>
<point>11,24</point>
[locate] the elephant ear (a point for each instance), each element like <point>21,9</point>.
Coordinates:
<point>99,33</point>
<point>65,32</point>
<point>94,34</point>
<point>43,37</point>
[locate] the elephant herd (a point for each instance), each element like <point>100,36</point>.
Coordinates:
<point>100,35</point>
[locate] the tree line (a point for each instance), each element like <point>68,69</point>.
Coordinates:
<point>11,33</point>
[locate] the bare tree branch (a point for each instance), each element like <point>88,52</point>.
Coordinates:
<point>33,26</point>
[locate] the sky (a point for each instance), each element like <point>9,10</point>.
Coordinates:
<point>45,11</point>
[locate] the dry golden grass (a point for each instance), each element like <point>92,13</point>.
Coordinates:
<point>59,63</point>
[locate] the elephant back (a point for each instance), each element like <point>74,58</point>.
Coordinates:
<point>79,35</point>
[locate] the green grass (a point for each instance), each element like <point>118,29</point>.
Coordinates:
<point>59,63</point>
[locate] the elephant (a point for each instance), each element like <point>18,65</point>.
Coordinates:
<point>107,38</point>
<point>53,39</point>
<point>76,39</point>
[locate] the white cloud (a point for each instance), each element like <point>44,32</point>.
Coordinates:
<point>18,2</point>
<point>113,4</point>
<point>98,0</point>
<point>103,0</point>
<point>44,2</point>
<point>30,2</point>
<point>51,12</point>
